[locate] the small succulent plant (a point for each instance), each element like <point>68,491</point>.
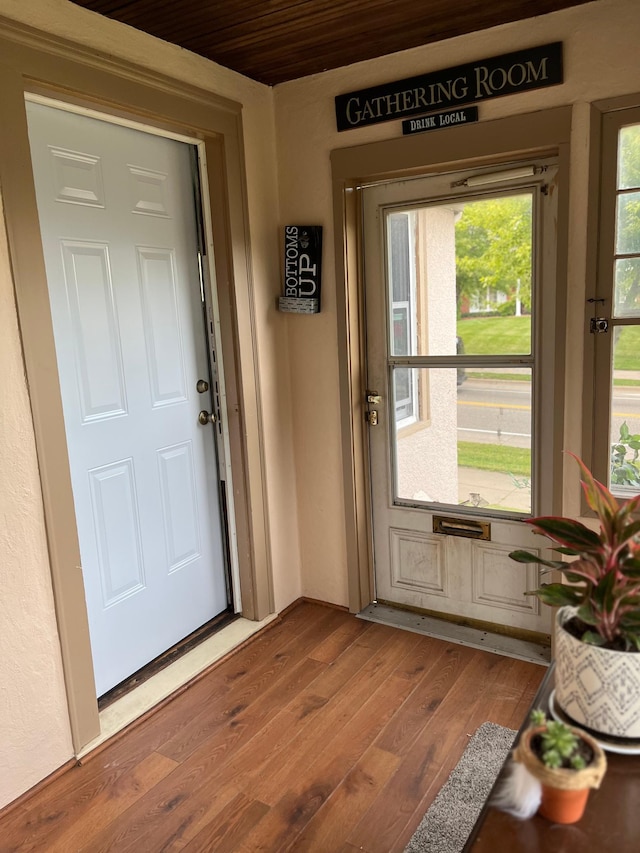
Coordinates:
<point>560,746</point>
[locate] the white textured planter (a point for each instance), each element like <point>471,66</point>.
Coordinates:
<point>598,688</point>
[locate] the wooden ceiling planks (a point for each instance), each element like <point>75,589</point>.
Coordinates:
<point>273,41</point>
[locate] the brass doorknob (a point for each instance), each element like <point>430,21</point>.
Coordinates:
<point>206,417</point>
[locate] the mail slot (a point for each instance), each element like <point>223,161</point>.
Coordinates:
<point>469,528</point>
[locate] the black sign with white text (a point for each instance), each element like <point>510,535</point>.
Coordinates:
<point>520,71</point>
<point>438,121</point>
<point>302,269</point>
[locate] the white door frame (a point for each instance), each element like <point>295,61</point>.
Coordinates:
<point>43,65</point>
<point>519,137</point>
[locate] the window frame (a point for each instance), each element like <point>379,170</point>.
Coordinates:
<point>608,118</point>
<point>412,404</point>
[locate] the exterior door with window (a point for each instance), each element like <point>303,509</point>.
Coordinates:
<point>117,215</point>
<point>460,294</point>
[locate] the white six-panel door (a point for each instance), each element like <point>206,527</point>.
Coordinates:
<point>117,217</point>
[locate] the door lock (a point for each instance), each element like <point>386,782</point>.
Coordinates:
<point>201,386</point>
<point>372,418</point>
<point>373,397</point>
<point>597,325</point>
<point>205,417</point>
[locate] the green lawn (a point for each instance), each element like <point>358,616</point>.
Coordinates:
<point>504,377</point>
<point>627,349</point>
<point>512,336</point>
<point>635,382</point>
<point>495,335</point>
<point>489,457</point>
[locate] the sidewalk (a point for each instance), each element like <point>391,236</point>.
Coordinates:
<point>494,489</point>
<point>626,374</point>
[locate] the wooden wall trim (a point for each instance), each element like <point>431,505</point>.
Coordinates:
<point>22,36</point>
<point>35,62</point>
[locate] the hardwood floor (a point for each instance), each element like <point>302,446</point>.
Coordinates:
<point>324,734</point>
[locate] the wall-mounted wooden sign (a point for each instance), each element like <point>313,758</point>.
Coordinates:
<point>302,269</point>
<point>520,71</point>
<point>438,121</point>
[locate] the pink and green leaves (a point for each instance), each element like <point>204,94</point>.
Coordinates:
<point>604,580</point>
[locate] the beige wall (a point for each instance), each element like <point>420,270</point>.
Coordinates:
<point>34,726</point>
<point>297,355</point>
<point>601,60</point>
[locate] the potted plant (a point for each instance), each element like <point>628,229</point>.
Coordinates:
<point>566,763</point>
<point>597,677</point>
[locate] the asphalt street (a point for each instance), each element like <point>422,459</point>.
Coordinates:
<point>499,412</point>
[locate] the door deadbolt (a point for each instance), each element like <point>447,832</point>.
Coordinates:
<point>202,386</point>
<point>206,417</point>
<point>373,397</point>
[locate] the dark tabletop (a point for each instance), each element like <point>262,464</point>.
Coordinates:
<point>611,823</point>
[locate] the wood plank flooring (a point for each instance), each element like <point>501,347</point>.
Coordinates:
<point>325,734</point>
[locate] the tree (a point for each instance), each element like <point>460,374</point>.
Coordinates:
<point>493,248</point>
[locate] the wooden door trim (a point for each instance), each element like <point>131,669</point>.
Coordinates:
<point>515,137</point>
<point>60,69</point>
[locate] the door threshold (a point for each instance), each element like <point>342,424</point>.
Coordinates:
<point>166,658</point>
<point>160,686</point>
<point>463,635</point>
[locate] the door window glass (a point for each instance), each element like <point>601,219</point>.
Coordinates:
<point>460,291</point>
<point>474,449</point>
<point>401,239</point>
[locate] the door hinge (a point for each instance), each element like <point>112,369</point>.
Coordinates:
<point>372,398</point>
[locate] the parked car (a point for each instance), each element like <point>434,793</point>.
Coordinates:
<point>462,373</point>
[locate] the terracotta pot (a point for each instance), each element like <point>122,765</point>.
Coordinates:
<point>564,792</point>
<point>598,688</point>
<point>560,806</point>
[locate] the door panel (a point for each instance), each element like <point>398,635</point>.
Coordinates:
<point>460,428</point>
<point>95,334</point>
<point>456,576</point>
<point>117,217</point>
